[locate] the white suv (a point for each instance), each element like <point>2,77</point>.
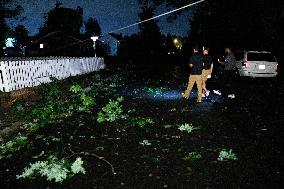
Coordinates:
<point>256,64</point>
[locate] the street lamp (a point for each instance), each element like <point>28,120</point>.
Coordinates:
<point>175,41</point>
<point>94,39</point>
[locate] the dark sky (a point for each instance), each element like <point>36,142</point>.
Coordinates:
<point>111,14</point>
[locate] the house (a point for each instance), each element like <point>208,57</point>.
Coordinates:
<point>61,44</point>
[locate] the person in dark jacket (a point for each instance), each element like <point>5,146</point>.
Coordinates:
<point>228,73</point>
<point>196,65</point>
<point>207,71</point>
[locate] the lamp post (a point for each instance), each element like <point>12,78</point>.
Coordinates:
<point>94,39</point>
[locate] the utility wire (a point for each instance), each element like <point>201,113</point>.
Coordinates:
<point>158,16</point>
<point>137,23</point>
<point>46,36</point>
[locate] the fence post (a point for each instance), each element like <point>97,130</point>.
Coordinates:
<point>4,85</point>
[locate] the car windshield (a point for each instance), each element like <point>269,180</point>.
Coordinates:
<point>261,57</point>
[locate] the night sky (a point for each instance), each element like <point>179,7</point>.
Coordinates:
<point>111,14</point>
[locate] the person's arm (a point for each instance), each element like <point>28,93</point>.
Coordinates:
<point>223,62</point>
<point>211,69</point>
<point>220,62</point>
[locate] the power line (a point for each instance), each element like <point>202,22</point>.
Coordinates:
<point>137,23</point>
<point>158,16</point>
<point>46,36</point>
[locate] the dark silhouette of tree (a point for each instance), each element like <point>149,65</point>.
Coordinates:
<point>253,24</point>
<point>22,36</point>
<point>149,32</point>
<point>242,24</point>
<point>63,19</point>
<point>92,27</point>
<point>6,11</point>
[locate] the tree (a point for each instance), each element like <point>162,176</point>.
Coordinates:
<point>92,27</point>
<point>63,19</point>
<point>242,23</point>
<point>6,11</point>
<point>21,35</point>
<point>150,33</point>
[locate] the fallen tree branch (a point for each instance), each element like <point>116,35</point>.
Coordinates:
<point>98,157</point>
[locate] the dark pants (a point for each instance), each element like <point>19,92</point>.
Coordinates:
<point>227,84</point>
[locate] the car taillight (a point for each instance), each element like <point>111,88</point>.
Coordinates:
<point>245,64</point>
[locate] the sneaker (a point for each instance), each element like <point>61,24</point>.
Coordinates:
<point>184,96</point>
<point>207,93</point>
<point>232,96</point>
<point>217,92</point>
<point>203,96</point>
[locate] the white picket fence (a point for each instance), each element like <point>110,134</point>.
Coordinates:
<point>19,73</point>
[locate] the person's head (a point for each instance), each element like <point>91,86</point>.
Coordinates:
<point>195,48</point>
<point>228,50</point>
<point>205,51</point>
